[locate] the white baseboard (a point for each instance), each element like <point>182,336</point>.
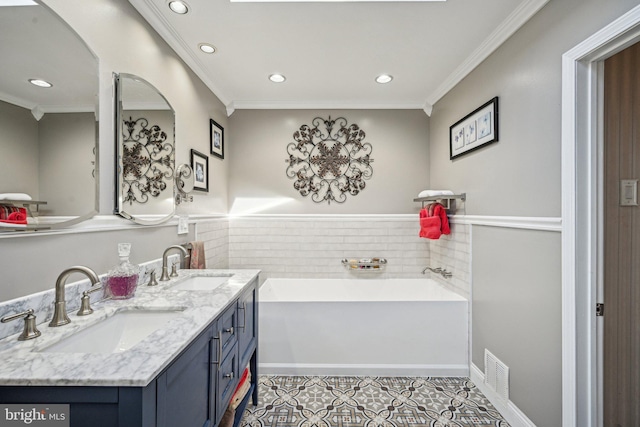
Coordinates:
<point>514,416</point>
<point>378,370</point>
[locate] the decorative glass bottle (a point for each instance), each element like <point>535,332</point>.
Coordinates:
<point>123,279</point>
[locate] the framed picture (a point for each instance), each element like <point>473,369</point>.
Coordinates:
<point>476,129</point>
<point>200,166</point>
<point>216,136</point>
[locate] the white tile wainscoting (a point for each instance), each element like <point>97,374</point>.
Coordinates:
<point>312,246</point>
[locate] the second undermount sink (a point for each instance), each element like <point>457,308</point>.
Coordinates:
<point>201,283</point>
<point>115,334</point>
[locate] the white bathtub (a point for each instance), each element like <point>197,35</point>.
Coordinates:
<point>383,327</point>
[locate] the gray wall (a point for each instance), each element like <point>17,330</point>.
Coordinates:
<point>517,313</point>
<point>516,275</point>
<point>123,42</point>
<point>66,142</point>
<point>258,150</point>
<point>19,145</point>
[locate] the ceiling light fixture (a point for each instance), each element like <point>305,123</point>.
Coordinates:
<point>384,78</point>
<point>40,83</point>
<point>178,7</point>
<point>277,78</point>
<point>207,48</point>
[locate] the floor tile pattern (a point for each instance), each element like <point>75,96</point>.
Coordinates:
<point>370,402</point>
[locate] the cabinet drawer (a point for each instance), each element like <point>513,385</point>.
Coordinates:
<point>227,380</point>
<point>228,328</point>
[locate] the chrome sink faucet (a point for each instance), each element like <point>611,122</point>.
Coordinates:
<point>165,260</point>
<point>60,307</point>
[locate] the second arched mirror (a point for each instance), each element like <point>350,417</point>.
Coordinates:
<point>145,164</point>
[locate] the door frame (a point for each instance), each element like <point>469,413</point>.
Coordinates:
<point>582,180</point>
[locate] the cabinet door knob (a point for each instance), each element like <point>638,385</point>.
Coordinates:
<point>229,375</point>
<point>229,330</point>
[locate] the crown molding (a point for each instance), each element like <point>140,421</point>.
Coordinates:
<point>525,11</point>
<point>152,15</point>
<point>320,105</point>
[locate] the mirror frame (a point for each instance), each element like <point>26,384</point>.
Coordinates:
<point>119,141</point>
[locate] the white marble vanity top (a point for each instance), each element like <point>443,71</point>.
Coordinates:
<point>23,364</point>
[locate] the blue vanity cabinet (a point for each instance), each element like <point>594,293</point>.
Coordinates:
<point>186,390</point>
<point>194,390</point>
<point>247,324</point>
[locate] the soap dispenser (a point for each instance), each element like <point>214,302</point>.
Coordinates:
<point>123,279</point>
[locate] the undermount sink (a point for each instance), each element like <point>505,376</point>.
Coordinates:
<point>115,334</point>
<point>201,283</point>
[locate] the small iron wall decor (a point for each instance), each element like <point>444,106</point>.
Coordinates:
<point>147,161</point>
<point>329,160</point>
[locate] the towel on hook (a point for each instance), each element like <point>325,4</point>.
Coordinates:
<point>433,193</point>
<point>197,259</point>
<point>13,215</point>
<point>434,221</point>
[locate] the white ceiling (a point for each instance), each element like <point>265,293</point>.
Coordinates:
<point>35,43</point>
<point>331,52</point>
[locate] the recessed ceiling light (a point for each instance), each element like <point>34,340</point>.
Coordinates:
<point>384,78</point>
<point>207,48</point>
<point>178,7</point>
<point>277,78</point>
<point>40,83</point>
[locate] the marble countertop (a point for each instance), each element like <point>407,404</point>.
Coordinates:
<point>24,364</point>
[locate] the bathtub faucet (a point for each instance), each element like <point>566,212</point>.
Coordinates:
<point>443,272</point>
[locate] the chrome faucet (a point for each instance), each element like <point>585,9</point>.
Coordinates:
<point>165,260</point>
<point>443,272</point>
<point>60,307</point>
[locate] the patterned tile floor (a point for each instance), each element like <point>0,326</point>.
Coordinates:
<point>370,402</point>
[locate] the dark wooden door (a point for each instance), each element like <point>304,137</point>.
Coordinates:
<point>621,367</point>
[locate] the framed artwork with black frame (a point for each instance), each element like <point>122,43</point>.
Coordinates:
<point>476,129</point>
<point>216,136</point>
<point>200,166</point>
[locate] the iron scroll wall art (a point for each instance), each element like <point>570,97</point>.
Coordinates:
<point>329,160</point>
<point>147,160</point>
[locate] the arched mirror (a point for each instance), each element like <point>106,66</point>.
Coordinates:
<point>145,165</point>
<point>48,120</point>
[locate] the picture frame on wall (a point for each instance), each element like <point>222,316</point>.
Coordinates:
<point>476,129</point>
<point>200,166</point>
<point>216,136</point>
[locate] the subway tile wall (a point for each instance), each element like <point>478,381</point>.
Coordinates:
<point>215,235</point>
<point>453,253</point>
<point>312,247</point>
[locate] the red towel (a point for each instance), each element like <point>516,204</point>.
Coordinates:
<point>13,215</point>
<point>434,221</point>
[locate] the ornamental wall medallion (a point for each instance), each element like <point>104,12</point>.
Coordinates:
<point>147,161</point>
<point>329,160</point>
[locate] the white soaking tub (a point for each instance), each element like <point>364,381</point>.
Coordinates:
<point>382,327</point>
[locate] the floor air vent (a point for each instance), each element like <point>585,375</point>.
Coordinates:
<point>496,375</point>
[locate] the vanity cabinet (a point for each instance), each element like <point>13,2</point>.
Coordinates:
<point>194,390</point>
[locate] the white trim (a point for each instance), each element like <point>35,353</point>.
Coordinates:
<point>313,105</point>
<point>522,222</point>
<point>506,29</point>
<point>579,213</point>
<point>391,370</point>
<point>514,416</point>
<point>100,223</point>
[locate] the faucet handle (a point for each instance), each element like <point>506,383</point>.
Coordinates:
<point>30,330</point>
<point>174,270</point>
<point>152,279</point>
<point>85,301</point>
